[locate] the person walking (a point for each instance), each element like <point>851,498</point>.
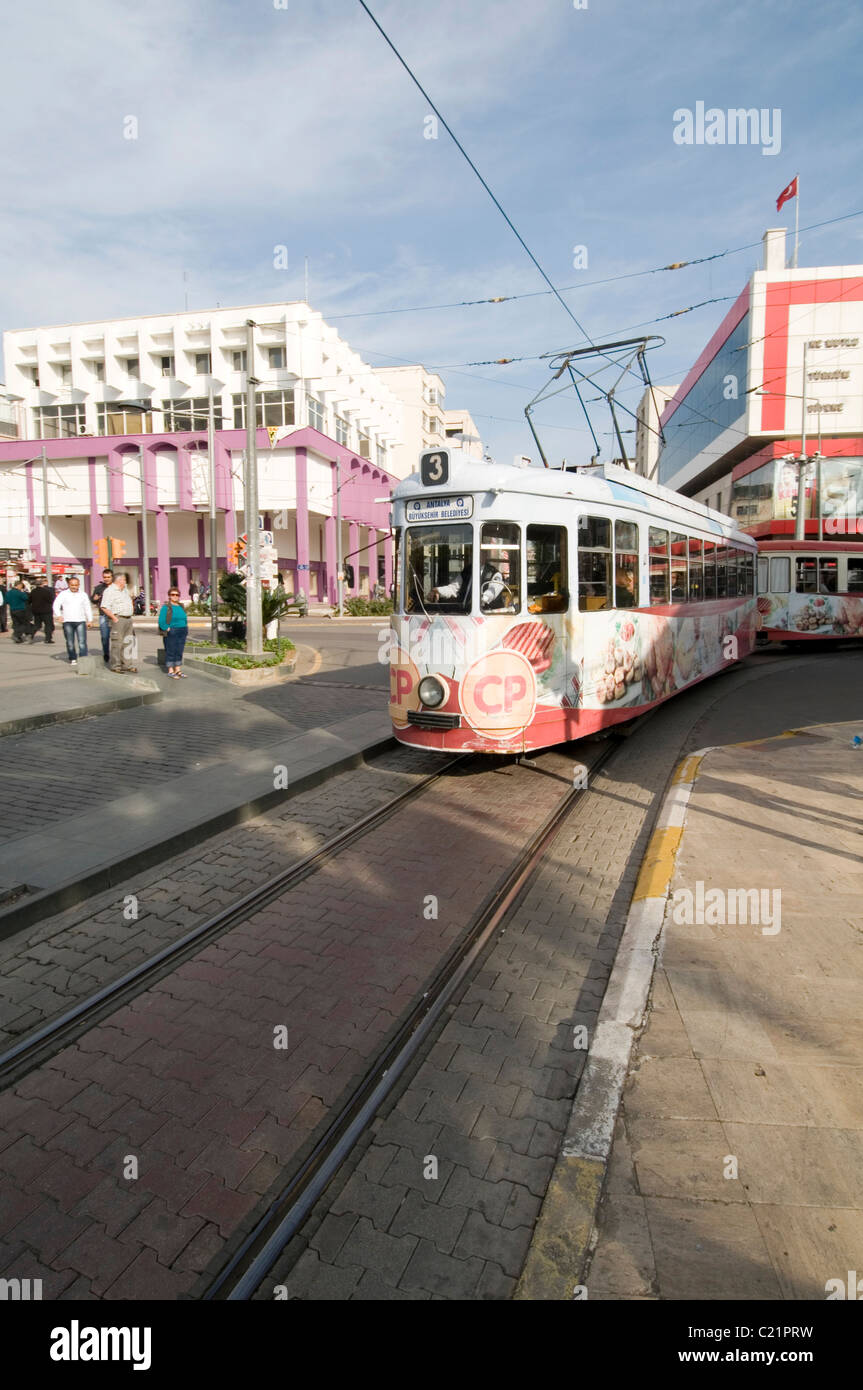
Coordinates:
<point>4,608</point>
<point>72,608</point>
<point>104,620</point>
<point>117,604</point>
<point>174,625</point>
<point>42,605</point>
<point>19,609</point>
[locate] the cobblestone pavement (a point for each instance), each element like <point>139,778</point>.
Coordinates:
<point>189,1080</point>
<point>46,969</point>
<point>490,1103</point>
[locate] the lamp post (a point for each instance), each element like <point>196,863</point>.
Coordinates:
<point>254,619</point>
<point>46,518</point>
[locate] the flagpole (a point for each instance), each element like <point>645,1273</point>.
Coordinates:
<point>796,222</point>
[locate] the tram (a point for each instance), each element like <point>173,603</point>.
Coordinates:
<point>810,590</point>
<point>534,606</point>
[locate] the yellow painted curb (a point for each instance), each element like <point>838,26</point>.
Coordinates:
<point>556,1258</point>
<point>658,863</point>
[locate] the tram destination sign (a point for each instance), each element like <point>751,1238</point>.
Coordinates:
<point>440,509</point>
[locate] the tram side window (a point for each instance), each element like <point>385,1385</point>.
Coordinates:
<point>780,574</point>
<point>731,572</point>
<point>500,567</point>
<point>721,571</point>
<point>438,569</point>
<point>658,547</point>
<point>547,569</point>
<point>696,569</point>
<point>828,574</point>
<point>626,564</point>
<point>763,570</point>
<point>594,563</point>
<point>710,569</point>
<point>806,574</point>
<point>679,582</point>
<point>747,562</point>
<point>855,575</point>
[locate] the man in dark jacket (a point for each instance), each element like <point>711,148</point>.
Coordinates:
<point>19,609</point>
<point>42,606</point>
<point>104,622</point>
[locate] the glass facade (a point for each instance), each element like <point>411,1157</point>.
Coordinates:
<point>715,402</point>
<point>769,493</point>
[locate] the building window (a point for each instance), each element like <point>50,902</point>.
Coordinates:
<point>98,370</point>
<point>64,371</point>
<point>276,358</point>
<point>187,416</point>
<point>365,449</point>
<point>271,408</point>
<point>166,364</point>
<point>122,417</point>
<point>58,421</point>
<point>434,425</point>
<point>381,455</point>
<point>133,366</point>
<point>342,429</point>
<point>34,374</point>
<point>316,414</point>
<point>203,364</point>
<point>238,361</point>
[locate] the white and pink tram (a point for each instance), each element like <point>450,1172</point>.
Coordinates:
<point>534,606</point>
<point>810,590</point>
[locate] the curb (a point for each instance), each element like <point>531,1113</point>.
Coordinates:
<point>68,716</point>
<point>33,910</point>
<point>558,1253</point>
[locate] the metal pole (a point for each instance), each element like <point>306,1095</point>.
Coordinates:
<point>145,549</point>
<point>800,527</point>
<point>47,520</point>
<point>214,554</point>
<point>254,623</point>
<point>339,533</point>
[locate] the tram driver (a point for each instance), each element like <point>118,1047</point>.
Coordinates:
<point>491,586</point>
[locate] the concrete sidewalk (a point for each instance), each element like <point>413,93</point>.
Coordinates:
<point>735,1168</point>
<point>39,687</point>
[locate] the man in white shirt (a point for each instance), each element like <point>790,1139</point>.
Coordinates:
<point>117,607</point>
<point>72,608</point>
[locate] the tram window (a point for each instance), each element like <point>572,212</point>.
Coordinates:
<point>806,574</point>
<point>547,584</point>
<point>763,567</point>
<point>855,575</point>
<point>594,563</point>
<point>749,574</point>
<point>828,575</point>
<point>780,574</point>
<point>696,570</point>
<point>721,572</point>
<point>439,569</point>
<point>397,581</point>
<point>679,582</point>
<point>500,567</point>
<point>626,564</point>
<point>710,569</point>
<point>658,545</point>
<point>731,572</point>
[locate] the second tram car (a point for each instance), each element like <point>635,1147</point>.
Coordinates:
<point>810,590</point>
<point>535,606</point>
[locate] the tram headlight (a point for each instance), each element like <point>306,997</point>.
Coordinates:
<point>431,691</point>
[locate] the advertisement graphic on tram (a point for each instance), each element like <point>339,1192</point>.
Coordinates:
<point>536,606</point>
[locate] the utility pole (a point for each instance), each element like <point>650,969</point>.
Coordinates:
<point>254,624</point>
<point>214,556</point>
<point>339,534</point>
<point>800,526</point>
<point>145,547</point>
<point>47,520</point>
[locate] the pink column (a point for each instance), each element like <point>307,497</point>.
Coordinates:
<point>203,561</point>
<point>302,516</point>
<point>352,556</point>
<point>330,560</point>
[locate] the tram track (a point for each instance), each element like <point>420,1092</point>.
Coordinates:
<point>38,1045</point>
<point>248,1265</point>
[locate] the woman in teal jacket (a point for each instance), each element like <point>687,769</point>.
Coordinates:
<point>174,626</point>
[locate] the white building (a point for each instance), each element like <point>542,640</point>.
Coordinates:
<point>9,415</point>
<point>647,437</point>
<point>422,396</point>
<point>460,430</point>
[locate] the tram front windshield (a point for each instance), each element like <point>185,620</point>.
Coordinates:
<point>438,569</point>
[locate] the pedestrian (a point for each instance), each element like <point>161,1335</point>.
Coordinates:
<point>174,626</point>
<point>60,584</point>
<point>72,608</point>
<point>117,604</point>
<point>19,608</point>
<point>104,621</point>
<point>42,606</point>
<point>4,608</point>
<point>193,592</point>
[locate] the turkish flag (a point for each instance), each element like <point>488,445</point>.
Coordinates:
<point>789,192</point>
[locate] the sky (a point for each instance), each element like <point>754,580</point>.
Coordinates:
<point>265,123</point>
